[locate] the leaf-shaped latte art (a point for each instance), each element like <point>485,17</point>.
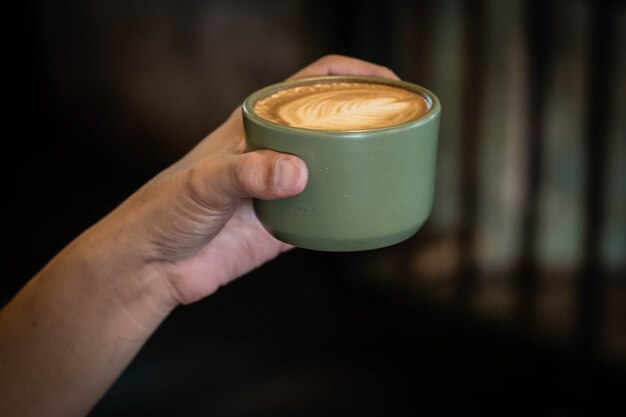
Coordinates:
<point>342,106</point>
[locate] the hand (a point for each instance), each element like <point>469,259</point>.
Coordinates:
<point>69,333</point>
<point>196,220</point>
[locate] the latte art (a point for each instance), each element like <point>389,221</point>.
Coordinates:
<point>342,106</point>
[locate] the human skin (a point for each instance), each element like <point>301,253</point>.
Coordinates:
<point>76,325</point>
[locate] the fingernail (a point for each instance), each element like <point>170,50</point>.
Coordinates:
<point>286,175</point>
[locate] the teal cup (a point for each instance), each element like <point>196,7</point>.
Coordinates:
<point>366,189</point>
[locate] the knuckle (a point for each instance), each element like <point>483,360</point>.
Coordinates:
<point>331,58</point>
<point>240,173</point>
<point>250,171</point>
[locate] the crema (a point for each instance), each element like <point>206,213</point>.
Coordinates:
<point>342,106</point>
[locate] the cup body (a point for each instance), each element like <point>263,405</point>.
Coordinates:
<point>367,189</point>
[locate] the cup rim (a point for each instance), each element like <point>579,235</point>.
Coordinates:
<point>432,100</point>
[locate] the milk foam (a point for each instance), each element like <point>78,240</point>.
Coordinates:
<point>342,106</point>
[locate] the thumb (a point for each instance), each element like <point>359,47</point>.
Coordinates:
<point>266,175</point>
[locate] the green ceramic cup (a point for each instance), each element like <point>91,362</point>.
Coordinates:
<point>367,189</point>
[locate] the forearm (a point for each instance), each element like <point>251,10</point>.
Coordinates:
<point>74,328</point>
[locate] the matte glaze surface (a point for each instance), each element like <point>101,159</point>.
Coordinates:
<point>367,189</point>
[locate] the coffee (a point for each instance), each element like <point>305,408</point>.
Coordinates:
<point>369,184</point>
<point>342,106</point>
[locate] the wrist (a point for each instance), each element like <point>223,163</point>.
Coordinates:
<point>79,322</point>
<point>107,255</point>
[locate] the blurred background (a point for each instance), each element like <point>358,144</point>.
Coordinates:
<point>512,298</point>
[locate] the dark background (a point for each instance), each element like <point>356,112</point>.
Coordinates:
<point>512,297</point>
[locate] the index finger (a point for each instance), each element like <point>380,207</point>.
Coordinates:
<point>343,65</point>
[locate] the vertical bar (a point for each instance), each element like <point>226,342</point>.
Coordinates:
<point>421,52</point>
<point>538,22</point>
<point>472,98</point>
<point>421,69</point>
<point>595,137</point>
<point>364,29</point>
